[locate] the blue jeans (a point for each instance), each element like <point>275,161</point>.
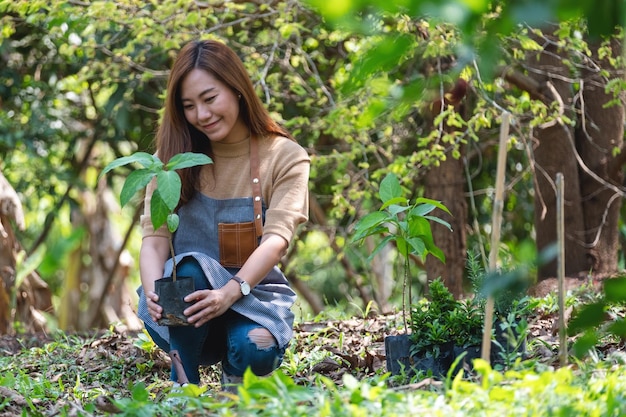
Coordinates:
<point>225,338</point>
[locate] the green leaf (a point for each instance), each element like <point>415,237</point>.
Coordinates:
<point>419,226</point>
<point>187,160</point>
<point>529,44</point>
<point>440,221</point>
<point>403,246</point>
<point>437,253</point>
<point>135,182</point>
<point>390,188</point>
<point>140,393</point>
<point>380,246</point>
<point>438,204</point>
<point>395,201</point>
<point>585,343</point>
<point>158,210</point>
<point>588,317</point>
<point>145,159</point>
<point>368,224</point>
<point>422,209</point>
<point>32,262</point>
<point>417,246</point>
<point>618,328</point>
<point>432,248</point>
<point>615,289</point>
<point>395,209</point>
<point>172,222</point>
<point>169,186</point>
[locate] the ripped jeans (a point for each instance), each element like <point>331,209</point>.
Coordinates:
<point>233,339</point>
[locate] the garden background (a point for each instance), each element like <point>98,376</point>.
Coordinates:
<point>413,88</point>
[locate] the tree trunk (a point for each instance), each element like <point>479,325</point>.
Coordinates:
<point>555,152</point>
<point>446,184</point>
<point>592,175</point>
<point>33,296</point>
<point>601,133</point>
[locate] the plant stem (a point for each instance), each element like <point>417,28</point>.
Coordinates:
<point>173,261</point>
<point>406,301</point>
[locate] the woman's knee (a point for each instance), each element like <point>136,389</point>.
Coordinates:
<point>259,352</point>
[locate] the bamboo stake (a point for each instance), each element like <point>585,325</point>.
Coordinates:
<point>560,232</point>
<point>498,204</point>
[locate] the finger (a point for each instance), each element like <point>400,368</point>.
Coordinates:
<point>153,306</point>
<point>196,296</point>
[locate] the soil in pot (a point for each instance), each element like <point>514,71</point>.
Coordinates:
<point>171,297</point>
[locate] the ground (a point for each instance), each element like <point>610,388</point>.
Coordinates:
<point>355,345</point>
<point>325,347</point>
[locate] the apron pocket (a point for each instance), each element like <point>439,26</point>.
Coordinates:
<point>237,241</point>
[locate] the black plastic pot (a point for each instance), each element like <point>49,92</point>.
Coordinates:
<point>466,362</point>
<point>437,366</point>
<point>401,361</point>
<point>171,297</point>
<point>397,352</point>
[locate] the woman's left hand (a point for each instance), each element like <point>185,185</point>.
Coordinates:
<point>209,304</point>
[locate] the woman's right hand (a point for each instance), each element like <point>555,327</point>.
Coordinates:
<point>154,309</point>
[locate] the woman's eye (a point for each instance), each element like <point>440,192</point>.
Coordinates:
<point>210,99</point>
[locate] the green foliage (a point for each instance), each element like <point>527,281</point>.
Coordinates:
<point>167,193</point>
<point>508,288</point>
<point>600,317</point>
<point>70,375</point>
<point>443,319</point>
<point>399,221</point>
<point>404,223</point>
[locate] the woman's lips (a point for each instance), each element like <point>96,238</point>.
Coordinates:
<point>210,125</point>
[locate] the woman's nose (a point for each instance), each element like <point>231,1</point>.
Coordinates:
<point>204,112</point>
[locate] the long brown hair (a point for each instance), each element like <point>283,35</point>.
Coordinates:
<point>176,135</point>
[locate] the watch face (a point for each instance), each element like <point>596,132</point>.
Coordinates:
<point>245,288</point>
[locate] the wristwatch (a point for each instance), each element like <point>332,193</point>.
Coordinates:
<point>245,287</point>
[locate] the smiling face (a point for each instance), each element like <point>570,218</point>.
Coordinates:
<point>212,107</point>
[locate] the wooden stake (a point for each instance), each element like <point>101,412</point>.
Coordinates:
<point>560,236</point>
<point>498,204</point>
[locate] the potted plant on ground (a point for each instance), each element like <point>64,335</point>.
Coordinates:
<point>443,329</point>
<point>163,204</point>
<point>407,224</point>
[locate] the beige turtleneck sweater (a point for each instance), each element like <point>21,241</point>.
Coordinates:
<point>284,172</point>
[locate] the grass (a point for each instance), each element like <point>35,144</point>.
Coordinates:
<point>333,368</point>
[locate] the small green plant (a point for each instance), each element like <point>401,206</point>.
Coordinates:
<point>166,196</point>
<point>466,323</point>
<point>443,319</point>
<point>404,223</point>
<point>145,342</point>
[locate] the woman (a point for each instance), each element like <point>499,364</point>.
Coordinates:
<point>240,313</point>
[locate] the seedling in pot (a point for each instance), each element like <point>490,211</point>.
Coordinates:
<point>163,204</point>
<point>405,223</point>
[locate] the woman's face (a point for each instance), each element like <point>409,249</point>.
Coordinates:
<point>212,107</point>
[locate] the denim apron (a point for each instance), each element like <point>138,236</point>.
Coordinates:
<point>269,303</point>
